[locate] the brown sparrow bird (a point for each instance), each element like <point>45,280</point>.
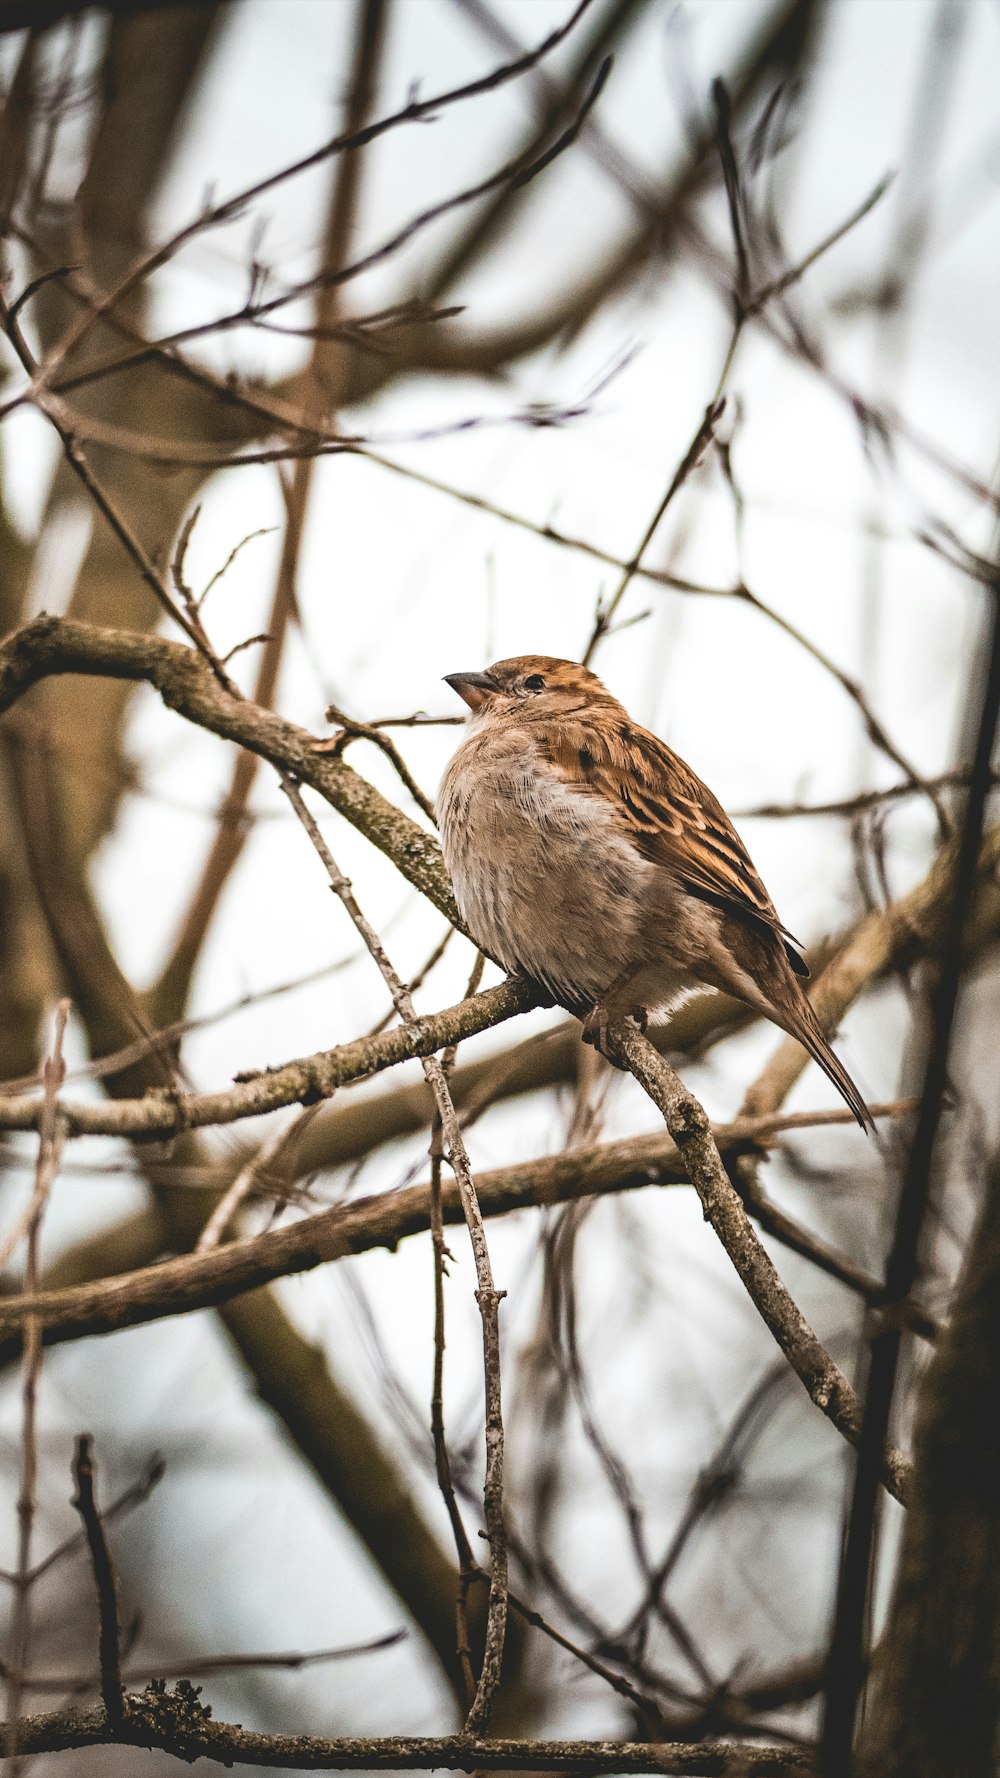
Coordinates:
<point>587,855</point>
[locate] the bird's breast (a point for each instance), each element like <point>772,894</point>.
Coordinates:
<point>543,876</point>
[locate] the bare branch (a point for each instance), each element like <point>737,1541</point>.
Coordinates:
<point>178,1286</point>
<point>293,1661</point>
<point>487,1295</point>
<point>187,684</point>
<point>112,1687</point>
<point>252,1177</point>
<point>350,730</point>
<point>132,1496</point>
<point>176,1723</point>
<point>349,142</point>
<point>688,463</point>
<point>824,1382</point>
<point>50,1141</point>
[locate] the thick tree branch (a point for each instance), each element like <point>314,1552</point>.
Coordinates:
<point>177,1724</point>
<point>52,645</point>
<point>178,1286</point>
<point>165,1111</point>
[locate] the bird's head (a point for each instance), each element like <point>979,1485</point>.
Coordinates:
<point>528,685</point>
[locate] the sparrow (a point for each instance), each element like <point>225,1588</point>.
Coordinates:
<point>586,854</point>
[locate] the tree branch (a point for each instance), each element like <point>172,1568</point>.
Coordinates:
<point>178,1286</point>
<point>112,1689</point>
<point>487,1296</point>
<point>51,645</point>
<point>824,1382</point>
<point>177,1723</point>
<point>165,1111</point>
<point>289,1373</point>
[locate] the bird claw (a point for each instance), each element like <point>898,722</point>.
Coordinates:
<point>596,1026</point>
<point>595,1029</point>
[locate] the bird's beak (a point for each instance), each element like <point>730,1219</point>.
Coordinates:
<point>473,688</point>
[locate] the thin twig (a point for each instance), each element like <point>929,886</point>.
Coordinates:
<point>688,463</point>
<point>50,1146</point>
<point>262,531</point>
<point>442,1461</point>
<point>646,1706</point>
<point>256,1173</point>
<point>429,964</point>
<point>292,1660</point>
<point>487,1295</point>
<point>50,1142</point>
<point>134,1495</point>
<point>714,1483</point>
<point>112,1686</point>
<point>734,195</point>
<point>874,727</point>
<point>784,282</point>
<point>860,803</point>
<point>350,730</point>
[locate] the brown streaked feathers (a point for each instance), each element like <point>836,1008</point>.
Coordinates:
<point>672,816</point>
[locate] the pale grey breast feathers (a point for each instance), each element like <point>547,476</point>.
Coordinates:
<point>543,877</point>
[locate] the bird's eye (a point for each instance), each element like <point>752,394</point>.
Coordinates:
<point>534,682</point>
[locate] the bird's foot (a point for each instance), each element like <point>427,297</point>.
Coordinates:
<point>595,1028</point>
<point>596,1025</point>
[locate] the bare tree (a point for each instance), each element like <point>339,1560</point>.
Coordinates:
<point>556,1599</point>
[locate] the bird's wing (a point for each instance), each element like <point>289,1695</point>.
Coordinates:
<point>672,817</point>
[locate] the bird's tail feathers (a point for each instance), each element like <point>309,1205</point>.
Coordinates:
<point>806,1027</point>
